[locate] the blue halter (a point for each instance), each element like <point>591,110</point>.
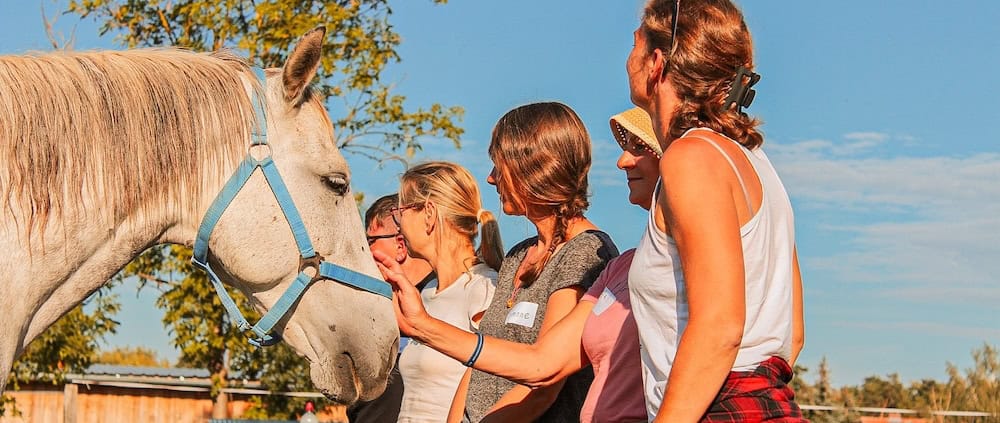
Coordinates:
<point>308,258</point>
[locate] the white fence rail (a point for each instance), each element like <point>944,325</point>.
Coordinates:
<point>946,413</point>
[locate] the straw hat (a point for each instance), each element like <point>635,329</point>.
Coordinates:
<point>636,121</point>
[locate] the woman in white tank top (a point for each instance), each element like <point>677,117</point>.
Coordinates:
<point>715,286</point>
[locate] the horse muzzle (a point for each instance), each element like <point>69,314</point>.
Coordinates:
<point>346,378</point>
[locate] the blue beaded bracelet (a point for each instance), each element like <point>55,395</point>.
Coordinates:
<point>479,349</point>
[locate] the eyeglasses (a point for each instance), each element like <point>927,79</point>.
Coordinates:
<point>397,212</point>
<point>372,238</point>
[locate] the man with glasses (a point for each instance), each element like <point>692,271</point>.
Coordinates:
<point>383,235</point>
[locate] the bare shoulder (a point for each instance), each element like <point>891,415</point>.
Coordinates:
<point>689,159</point>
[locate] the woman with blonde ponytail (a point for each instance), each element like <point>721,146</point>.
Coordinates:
<point>440,215</point>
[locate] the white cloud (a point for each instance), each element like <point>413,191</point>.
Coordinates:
<point>858,142</point>
<point>868,137</point>
<point>930,226</point>
<point>853,143</point>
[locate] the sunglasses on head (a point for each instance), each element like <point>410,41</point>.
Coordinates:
<point>673,36</point>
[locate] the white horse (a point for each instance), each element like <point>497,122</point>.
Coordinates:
<point>104,154</point>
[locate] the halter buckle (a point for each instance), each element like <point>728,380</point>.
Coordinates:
<point>262,146</point>
<point>313,263</point>
<point>258,340</point>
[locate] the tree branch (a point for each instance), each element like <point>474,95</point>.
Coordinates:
<point>152,278</point>
<point>166,26</point>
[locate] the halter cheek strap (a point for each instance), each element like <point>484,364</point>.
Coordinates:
<point>308,258</point>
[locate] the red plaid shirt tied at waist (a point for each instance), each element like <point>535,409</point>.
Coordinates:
<point>756,396</point>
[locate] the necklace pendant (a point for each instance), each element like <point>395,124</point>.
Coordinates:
<point>510,302</point>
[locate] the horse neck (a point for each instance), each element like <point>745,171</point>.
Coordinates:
<point>47,269</point>
<point>70,259</point>
<point>78,252</point>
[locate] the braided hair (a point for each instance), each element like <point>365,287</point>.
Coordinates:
<point>542,154</point>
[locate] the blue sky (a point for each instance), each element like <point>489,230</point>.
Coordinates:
<point>880,117</point>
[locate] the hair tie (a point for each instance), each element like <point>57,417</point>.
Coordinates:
<point>479,215</point>
<point>740,93</point>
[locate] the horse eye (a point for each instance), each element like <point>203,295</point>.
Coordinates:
<point>337,183</point>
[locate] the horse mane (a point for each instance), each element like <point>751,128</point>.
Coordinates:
<point>125,130</point>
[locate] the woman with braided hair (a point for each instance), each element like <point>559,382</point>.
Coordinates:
<point>714,283</point>
<point>598,333</point>
<point>541,157</point>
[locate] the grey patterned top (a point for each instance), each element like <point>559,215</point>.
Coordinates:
<point>578,262</point>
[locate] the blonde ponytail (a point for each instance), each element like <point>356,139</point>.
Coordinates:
<point>490,245</point>
<point>454,191</point>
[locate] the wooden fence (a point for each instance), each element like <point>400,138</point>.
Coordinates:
<point>99,403</point>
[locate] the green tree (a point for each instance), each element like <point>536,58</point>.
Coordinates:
<point>884,393</point>
<point>201,330</point>
<point>804,392</point>
<point>70,345</point>
<point>976,390</point>
<point>824,390</point>
<point>369,120</point>
<point>822,393</point>
<point>129,356</point>
<point>923,392</point>
<point>195,317</point>
<point>279,370</point>
<point>8,405</point>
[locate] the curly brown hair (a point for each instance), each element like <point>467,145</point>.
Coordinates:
<point>712,43</point>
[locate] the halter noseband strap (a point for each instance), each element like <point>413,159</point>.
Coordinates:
<point>308,258</point>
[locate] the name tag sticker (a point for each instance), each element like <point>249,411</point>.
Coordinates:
<point>523,314</point>
<point>604,301</point>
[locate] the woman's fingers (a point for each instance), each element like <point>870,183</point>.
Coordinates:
<point>390,269</point>
<point>406,294</point>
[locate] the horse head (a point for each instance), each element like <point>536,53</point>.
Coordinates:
<point>348,335</point>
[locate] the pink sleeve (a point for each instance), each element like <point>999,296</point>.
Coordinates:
<point>598,287</point>
<point>625,259</point>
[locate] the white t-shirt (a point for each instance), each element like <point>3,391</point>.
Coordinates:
<point>429,377</point>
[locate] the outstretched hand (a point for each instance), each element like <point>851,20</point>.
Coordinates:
<point>409,306</point>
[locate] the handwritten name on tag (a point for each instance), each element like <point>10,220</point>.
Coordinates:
<point>606,299</point>
<point>523,314</point>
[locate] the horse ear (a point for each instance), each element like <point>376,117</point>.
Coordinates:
<point>301,66</point>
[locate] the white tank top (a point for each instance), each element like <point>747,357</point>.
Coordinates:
<point>659,298</point>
